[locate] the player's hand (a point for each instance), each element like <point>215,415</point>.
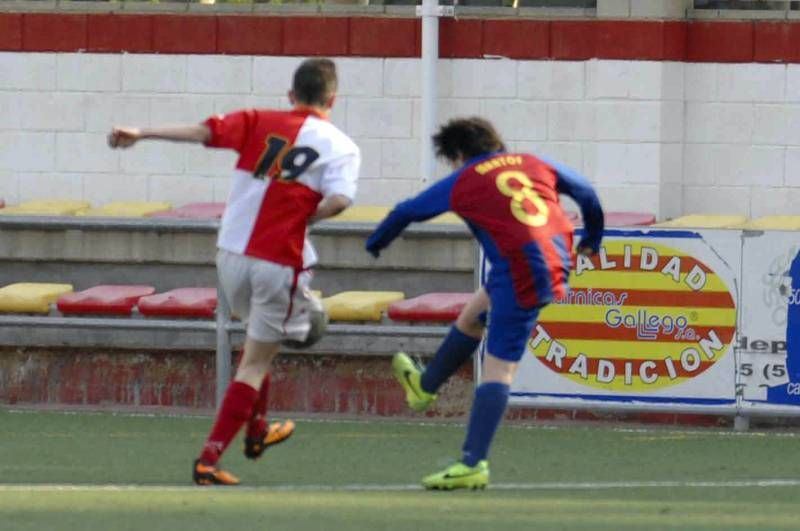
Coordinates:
<point>372,247</point>
<point>585,251</point>
<point>124,137</point>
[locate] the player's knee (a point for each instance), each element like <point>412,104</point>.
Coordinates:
<point>471,325</point>
<point>497,370</point>
<point>256,361</point>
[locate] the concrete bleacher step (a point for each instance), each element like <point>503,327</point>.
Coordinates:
<point>193,211</point>
<point>103,300</point>
<point>697,221</point>
<point>375,214</point>
<point>430,307</point>
<point>127,209</point>
<point>50,207</point>
<point>181,302</point>
<point>360,305</point>
<point>629,219</point>
<point>31,297</point>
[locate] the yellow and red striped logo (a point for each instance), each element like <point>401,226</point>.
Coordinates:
<point>640,316</point>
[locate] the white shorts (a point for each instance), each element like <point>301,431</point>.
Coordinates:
<point>272,299</point>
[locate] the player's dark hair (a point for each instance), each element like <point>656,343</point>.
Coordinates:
<point>470,137</point>
<point>314,81</point>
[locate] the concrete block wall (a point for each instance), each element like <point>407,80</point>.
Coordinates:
<point>658,136</point>
<point>742,139</point>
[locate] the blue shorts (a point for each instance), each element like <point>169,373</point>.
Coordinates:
<point>510,325</point>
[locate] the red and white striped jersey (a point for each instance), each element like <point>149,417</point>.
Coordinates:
<point>288,162</point>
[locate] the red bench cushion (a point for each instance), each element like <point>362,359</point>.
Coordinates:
<point>106,299</point>
<point>182,302</point>
<point>193,211</point>
<point>429,307</point>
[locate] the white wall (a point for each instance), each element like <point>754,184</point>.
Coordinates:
<point>661,137</point>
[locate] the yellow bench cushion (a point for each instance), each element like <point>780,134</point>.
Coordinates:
<point>448,218</point>
<point>31,297</point>
<point>360,305</point>
<point>128,209</point>
<point>363,214</point>
<point>699,221</point>
<point>55,207</point>
<point>773,223</point>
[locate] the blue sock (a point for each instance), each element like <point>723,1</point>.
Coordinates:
<point>487,412</point>
<point>456,349</point>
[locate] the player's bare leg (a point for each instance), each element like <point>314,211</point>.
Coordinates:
<point>470,321</point>
<point>496,370</point>
<point>237,407</point>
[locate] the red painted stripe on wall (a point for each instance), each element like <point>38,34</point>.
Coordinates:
<point>53,32</point>
<point>720,42</point>
<point>249,35</point>
<point>316,36</point>
<point>570,40</point>
<point>10,31</point>
<point>113,33</point>
<point>460,38</point>
<point>517,39</point>
<point>185,34</point>
<point>776,42</point>
<point>383,37</point>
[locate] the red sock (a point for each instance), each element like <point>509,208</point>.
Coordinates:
<point>257,426</point>
<point>235,411</point>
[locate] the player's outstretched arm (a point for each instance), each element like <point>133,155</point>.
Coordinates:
<point>123,137</point>
<point>577,187</point>
<point>428,204</point>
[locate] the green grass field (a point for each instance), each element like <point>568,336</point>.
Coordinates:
<point>102,471</point>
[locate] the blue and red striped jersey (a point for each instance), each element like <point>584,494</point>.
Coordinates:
<point>510,203</point>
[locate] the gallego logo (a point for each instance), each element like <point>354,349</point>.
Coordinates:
<point>640,316</point>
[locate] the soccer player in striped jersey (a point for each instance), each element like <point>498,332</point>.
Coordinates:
<point>294,168</point>
<point>510,203</point>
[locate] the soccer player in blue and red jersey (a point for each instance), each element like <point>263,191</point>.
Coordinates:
<point>510,203</point>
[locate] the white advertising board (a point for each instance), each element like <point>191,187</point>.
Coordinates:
<point>769,331</point>
<point>650,323</point>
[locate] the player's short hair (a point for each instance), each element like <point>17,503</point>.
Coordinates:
<point>315,81</point>
<point>470,137</point>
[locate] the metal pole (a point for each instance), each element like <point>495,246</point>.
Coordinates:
<point>430,54</point>
<point>223,346</point>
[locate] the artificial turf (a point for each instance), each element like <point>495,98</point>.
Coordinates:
<point>133,472</point>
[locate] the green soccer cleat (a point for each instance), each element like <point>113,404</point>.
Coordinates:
<point>459,476</point>
<point>408,374</point>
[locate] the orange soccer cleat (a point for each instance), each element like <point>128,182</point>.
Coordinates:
<point>276,433</point>
<point>211,475</point>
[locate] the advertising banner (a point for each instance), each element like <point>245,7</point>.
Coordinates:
<point>650,320</point>
<point>769,332</point>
